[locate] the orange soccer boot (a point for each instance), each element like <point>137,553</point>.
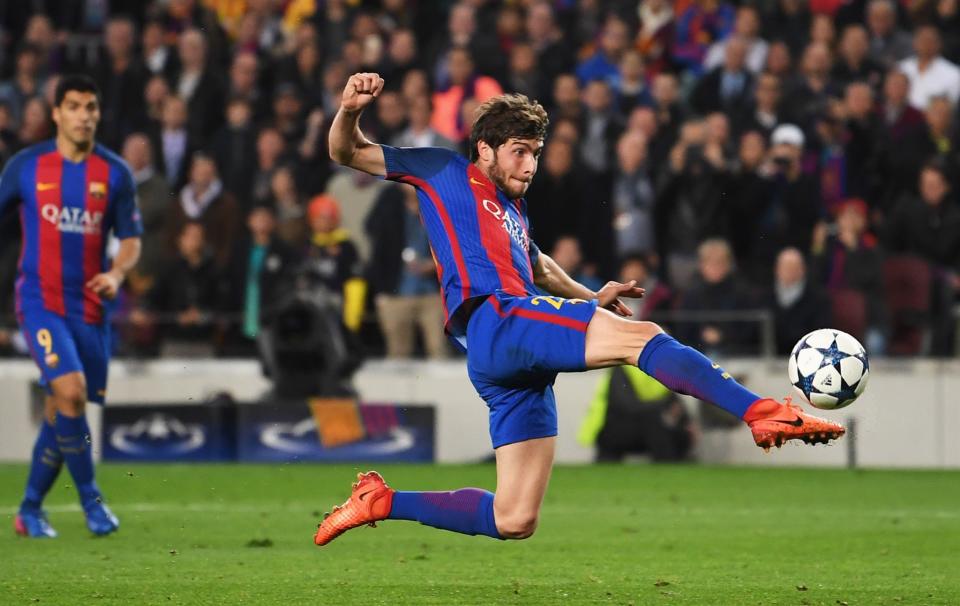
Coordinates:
<point>773,423</point>
<point>369,502</point>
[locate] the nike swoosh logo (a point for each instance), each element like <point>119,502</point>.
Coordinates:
<point>46,186</point>
<point>798,422</point>
<point>363,495</point>
<point>475,182</point>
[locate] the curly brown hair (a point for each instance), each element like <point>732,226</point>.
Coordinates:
<point>506,117</point>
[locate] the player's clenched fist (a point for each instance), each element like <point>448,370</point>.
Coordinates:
<point>360,91</point>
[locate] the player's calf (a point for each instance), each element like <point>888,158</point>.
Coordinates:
<point>516,526</point>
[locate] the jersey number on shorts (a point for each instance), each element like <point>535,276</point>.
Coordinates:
<point>45,339</point>
<point>555,302</point>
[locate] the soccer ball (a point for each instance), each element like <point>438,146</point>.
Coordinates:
<point>828,368</point>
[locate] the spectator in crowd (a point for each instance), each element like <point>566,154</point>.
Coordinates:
<point>478,44</point>
<point>717,288</point>
<point>403,276</point>
<point>173,145</point>
<point>789,21</point>
<point>930,74</point>
<point>290,216</point>
<point>779,61</point>
<point>667,105</point>
<point>853,59</point>
<point>200,86</point>
<point>155,95</point>
<point>630,84</point>
<point>158,58</point>
<point>554,197</point>
<point>271,149</point>
<point>927,225</point>
<point>418,132</point>
<point>287,113</point>
<point>727,87</point>
<point>846,256</point>
<point>861,139</point>
<point>243,84</point>
<point>690,202</point>
<point>465,85</point>
<point>402,57</point>
<point>234,149</point>
<point>763,113</point>
<point>632,413</point>
<point>331,261</point>
<point>154,201</point>
<point>121,78</point>
<point>747,29</point>
<point>522,74</point>
<point>263,264</point>
<point>604,63</point>
<point>554,55</point>
<point>655,38</point>
<point>39,33</point>
<point>657,296</point>
<point>183,302</point>
<point>203,200</point>
<point>900,119</point>
<point>799,305</point>
<point>809,96</point>
<point>748,188</point>
<point>391,113</point>
<point>566,98</point>
<point>698,27</point>
<point>35,125</point>
<point>633,198</point>
<point>888,44</point>
<point>785,214</point>
<point>567,253</point>
<point>25,82</point>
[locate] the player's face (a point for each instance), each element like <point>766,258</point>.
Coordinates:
<point>77,117</point>
<point>514,164</point>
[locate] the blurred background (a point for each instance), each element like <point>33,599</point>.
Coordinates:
<point>761,168</point>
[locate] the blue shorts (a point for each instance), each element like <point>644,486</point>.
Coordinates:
<point>515,348</point>
<point>63,345</point>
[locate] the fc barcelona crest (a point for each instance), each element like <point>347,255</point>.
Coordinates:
<point>98,189</point>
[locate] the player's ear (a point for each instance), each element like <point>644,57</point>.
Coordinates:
<point>485,152</point>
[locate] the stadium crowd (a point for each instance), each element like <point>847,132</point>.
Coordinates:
<point>761,168</point>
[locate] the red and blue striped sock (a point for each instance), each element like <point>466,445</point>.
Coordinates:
<point>685,370</point>
<point>73,438</point>
<point>44,467</point>
<point>467,511</point>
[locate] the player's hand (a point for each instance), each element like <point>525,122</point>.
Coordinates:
<point>608,297</point>
<point>105,285</point>
<point>360,91</point>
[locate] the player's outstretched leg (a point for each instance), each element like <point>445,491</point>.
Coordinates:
<point>73,438</point>
<point>612,340</point>
<point>31,520</point>
<point>468,510</point>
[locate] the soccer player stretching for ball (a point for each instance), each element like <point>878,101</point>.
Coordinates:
<point>517,341</point>
<point>72,194</point>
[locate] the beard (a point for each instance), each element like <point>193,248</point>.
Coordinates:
<point>500,178</point>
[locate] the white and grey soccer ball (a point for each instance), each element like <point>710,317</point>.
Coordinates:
<point>828,368</point>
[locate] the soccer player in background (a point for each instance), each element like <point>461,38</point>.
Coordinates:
<point>72,194</point>
<point>517,340</point>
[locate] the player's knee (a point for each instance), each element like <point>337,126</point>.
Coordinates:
<point>72,400</point>
<point>517,526</point>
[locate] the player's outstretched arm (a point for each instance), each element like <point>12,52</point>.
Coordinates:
<point>550,277</point>
<point>348,145</point>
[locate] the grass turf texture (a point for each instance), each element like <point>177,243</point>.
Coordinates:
<point>225,534</point>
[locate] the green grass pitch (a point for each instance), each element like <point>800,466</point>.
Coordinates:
<point>634,534</point>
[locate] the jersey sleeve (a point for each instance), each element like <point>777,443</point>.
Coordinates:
<point>126,214</point>
<point>534,252</point>
<point>10,182</point>
<point>417,162</point>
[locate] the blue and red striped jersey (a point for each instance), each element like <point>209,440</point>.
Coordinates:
<point>67,211</point>
<point>480,238</point>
